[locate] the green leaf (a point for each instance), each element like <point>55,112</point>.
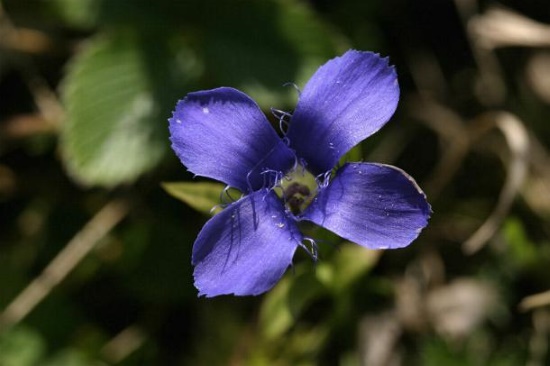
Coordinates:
<point>21,346</point>
<point>521,250</point>
<point>70,357</point>
<point>347,265</point>
<point>354,155</point>
<point>202,196</point>
<point>351,262</point>
<point>81,14</point>
<point>290,42</point>
<point>287,301</point>
<point>275,315</point>
<point>436,352</point>
<point>116,94</point>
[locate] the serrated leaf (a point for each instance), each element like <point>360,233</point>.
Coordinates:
<point>115,128</point>
<point>202,196</point>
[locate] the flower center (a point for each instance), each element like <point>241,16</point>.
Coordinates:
<point>298,188</point>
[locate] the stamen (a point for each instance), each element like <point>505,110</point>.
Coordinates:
<point>225,194</point>
<point>323,179</point>
<point>295,87</point>
<point>225,198</point>
<point>286,140</point>
<point>281,116</point>
<point>219,205</point>
<point>250,189</point>
<point>271,178</point>
<point>257,166</point>
<point>313,252</point>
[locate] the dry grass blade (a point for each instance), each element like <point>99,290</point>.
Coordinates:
<point>73,253</point>
<point>124,344</point>
<point>450,128</point>
<point>517,139</point>
<point>537,187</point>
<point>500,27</point>
<point>535,301</point>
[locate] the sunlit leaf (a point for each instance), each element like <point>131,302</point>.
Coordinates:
<point>116,94</point>
<point>202,196</point>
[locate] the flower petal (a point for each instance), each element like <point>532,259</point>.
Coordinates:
<point>223,134</point>
<point>374,205</point>
<point>348,99</point>
<point>246,248</point>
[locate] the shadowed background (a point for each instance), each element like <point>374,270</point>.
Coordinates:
<point>95,252</point>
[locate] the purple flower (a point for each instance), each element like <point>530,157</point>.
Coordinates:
<point>222,134</point>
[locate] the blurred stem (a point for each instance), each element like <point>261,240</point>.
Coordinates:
<point>73,253</point>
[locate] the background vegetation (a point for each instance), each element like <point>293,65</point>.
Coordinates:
<point>95,255</point>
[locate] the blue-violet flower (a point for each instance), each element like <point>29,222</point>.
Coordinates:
<point>222,134</point>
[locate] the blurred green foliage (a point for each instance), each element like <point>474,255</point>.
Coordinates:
<point>86,88</point>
